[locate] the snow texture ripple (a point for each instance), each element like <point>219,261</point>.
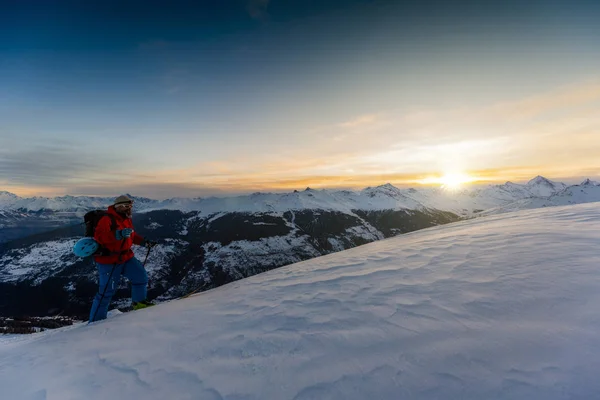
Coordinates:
<point>502,307</point>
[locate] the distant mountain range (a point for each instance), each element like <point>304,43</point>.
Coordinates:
<point>586,192</point>
<point>468,200</point>
<point>206,242</point>
<point>20,217</point>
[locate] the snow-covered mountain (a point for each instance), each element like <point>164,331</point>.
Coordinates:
<point>380,198</point>
<point>586,192</point>
<point>542,187</point>
<point>21,217</point>
<point>589,182</point>
<point>75,204</point>
<point>7,200</point>
<point>502,307</point>
<point>465,202</point>
<point>8,217</point>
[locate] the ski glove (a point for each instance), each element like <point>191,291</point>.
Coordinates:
<point>124,233</point>
<point>149,243</point>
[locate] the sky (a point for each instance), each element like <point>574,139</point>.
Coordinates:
<point>182,98</point>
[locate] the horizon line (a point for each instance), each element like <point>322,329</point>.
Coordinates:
<point>219,193</point>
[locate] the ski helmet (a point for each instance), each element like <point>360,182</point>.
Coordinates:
<point>85,247</point>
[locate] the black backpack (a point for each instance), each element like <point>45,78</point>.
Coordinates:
<point>92,218</point>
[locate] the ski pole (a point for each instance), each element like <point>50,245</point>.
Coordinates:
<point>147,254</point>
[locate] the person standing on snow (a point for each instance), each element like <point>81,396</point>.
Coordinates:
<point>118,259</point>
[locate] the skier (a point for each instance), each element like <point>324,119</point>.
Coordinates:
<point>118,259</point>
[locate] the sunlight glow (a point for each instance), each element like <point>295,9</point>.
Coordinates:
<point>455,180</point>
<point>451,180</point>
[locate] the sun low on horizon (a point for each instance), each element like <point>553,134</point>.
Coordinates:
<point>455,181</point>
<point>451,181</point>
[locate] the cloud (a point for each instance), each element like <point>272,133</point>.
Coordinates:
<point>249,184</point>
<point>53,164</point>
<point>352,129</point>
<point>554,134</point>
<point>258,9</point>
<point>156,190</point>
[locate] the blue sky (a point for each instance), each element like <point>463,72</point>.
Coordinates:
<point>168,99</point>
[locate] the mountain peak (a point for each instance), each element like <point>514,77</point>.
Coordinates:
<point>510,184</point>
<point>542,187</point>
<point>539,180</point>
<point>387,189</point>
<point>388,186</point>
<point>7,199</point>
<point>589,182</point>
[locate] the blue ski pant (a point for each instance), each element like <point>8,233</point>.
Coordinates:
<point>109,282</point>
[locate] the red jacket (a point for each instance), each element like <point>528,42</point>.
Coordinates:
<point>107,239</point>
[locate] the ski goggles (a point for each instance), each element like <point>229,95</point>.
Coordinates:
<point>124,205</point>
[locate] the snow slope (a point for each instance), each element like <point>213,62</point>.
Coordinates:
<point>502,307</point>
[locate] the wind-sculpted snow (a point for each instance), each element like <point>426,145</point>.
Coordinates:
<point>503,307</point>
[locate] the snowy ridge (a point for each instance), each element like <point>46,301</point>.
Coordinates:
<point>430,314</point>
<point>378,198</point>
<point>589,182</point>
<point>9,201</point>
<point>467,202</point>
<point>542,187</point>
<point>587,192</point>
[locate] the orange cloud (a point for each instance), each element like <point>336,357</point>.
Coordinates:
<point>251,182</point>
<point>556,134</point>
